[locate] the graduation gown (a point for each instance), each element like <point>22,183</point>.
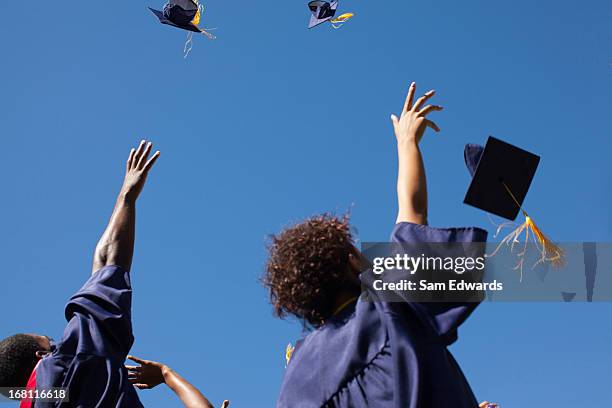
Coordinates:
<point>385,354</point>
<point>89,359</point>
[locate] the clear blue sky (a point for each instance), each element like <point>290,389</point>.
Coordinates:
<point>271,123</point>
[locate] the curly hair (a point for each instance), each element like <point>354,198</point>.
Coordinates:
<point>17,359</point>
<point>307,267</point>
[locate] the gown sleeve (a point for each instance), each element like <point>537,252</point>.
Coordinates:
<point>99,316</point>
<point>443,317</point>
<point>88,361</point>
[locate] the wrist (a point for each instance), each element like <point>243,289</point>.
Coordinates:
<point>127,197</point>
<point>167,372</point>
<point>407,143</point>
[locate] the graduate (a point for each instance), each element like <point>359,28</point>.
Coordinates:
<point>88,360</point>
<point>369,353</point>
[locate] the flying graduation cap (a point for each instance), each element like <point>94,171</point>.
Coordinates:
<point>501,176</point>
<point>183,14</point>
<point>323,11</point>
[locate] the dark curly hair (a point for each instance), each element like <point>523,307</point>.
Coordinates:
<point>17,359</point>
<point>308,267</point>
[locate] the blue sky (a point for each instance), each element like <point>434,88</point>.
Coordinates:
<point>272,123</point>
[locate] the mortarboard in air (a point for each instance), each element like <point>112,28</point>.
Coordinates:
<point>181,14</point>
<point>186,15</point>
<point>501,177</point>
<point>497,169</point>
<point>322,11</point>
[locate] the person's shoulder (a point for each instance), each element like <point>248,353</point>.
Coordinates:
<point>327,358</point>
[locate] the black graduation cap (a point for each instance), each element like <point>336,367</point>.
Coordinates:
<point>501,176</point>
<point>180,14</point>
<point>322,11</point>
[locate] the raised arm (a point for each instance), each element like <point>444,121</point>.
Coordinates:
<point>116,246</point>
<point>150,374</point>
<point>411,181</point>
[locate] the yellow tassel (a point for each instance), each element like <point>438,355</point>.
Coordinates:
<point>196,19</point>
<point>288,353</point>
<point>342,18</point>
<point>338,21</point>
<point>549,251</point>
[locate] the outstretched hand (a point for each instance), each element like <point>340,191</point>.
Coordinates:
<point>150,374</point>
<point>147,375</point>
<point>137,169</point>
<point>413,121</point>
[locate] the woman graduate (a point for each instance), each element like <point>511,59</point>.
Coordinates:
<point>367,353</point>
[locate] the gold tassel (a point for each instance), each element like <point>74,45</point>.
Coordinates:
<point>549,251</point>
<point>288,353</point>
<point>340,20</point>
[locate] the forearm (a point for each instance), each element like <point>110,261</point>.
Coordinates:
<point>116,246</point>
<point>411,184</point>
<point>189,395</point>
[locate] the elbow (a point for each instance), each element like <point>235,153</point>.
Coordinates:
<point>100,259</point>
<point>413,210</point>
<point>112,254</point>
<point>419,215</point>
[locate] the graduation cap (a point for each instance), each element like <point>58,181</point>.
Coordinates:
<point>501,177</point>
<point>184,14</point>
<point>322,11</point>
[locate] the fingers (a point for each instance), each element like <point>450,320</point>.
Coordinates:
<point>135,376</point>
<point>130,158</point>
<point>432,125</point>
<point>142,386</point>
<point>138,158</point>
<point>132,368</point>
<point>430,108</point>
<point>409,97</point>
<point>143,157</point>
<point>138,360</point>
<point>395,122</point>
<point>422,100</point>
<point>134,373</point>
<point>137,154</point>
<point>151,161</point>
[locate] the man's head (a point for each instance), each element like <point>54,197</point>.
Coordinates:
<point>310,266</point>
<point>18,357</point>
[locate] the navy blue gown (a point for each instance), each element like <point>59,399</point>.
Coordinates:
<point>385,354</point>
<point>89,359</point>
